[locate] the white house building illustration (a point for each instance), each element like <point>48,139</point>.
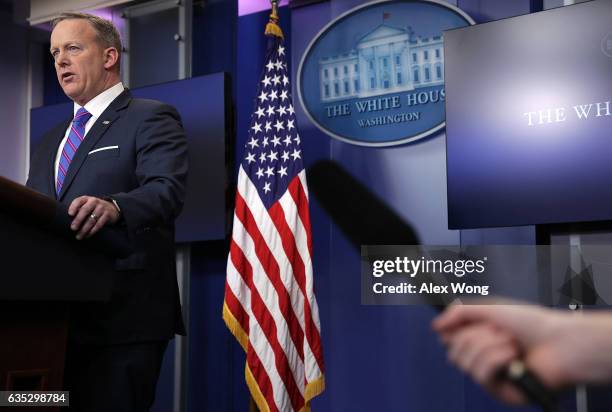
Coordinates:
<point>385,60</point>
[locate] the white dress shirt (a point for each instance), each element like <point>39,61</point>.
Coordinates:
<point>96,107</point>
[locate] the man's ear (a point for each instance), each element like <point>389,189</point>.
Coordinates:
<point>111,58</point>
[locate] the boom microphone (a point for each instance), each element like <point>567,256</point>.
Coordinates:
<point>367,220</point>
<point>362,217</point>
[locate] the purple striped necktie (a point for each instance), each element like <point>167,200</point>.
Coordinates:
<point>75,137</point>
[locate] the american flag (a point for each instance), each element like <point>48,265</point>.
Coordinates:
<point>270,305</point>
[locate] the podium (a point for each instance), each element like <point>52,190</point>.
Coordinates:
<point>44,271</point>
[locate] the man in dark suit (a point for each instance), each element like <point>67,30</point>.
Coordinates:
<point>120,161</point>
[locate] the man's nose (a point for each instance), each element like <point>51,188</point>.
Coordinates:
<point>61,59</point>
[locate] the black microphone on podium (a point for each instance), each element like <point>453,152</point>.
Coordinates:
<point>367,220</point>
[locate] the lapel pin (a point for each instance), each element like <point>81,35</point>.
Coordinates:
<point>106,122</point>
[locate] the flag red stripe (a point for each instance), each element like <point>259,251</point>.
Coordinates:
<point>243,267</point>
<point>312,332</point>
<point>262,378</point>
<point>314,338</point>
<point>233,304</point>
<point>297,264</point>
<point>299,197</point>
<point>271,268</point>
<point>266,321</point>
<point>267,324</point>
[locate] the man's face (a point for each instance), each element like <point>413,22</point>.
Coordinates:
<point>79,60</point>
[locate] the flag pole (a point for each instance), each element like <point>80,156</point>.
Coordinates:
<point>252,405</point>
<point>272,28</point>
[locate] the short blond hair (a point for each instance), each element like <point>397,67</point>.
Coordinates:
<point>107,33</point>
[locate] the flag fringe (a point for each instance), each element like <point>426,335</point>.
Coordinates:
<point>313,389</point>
<point>235,328</point>
<point>256,394</point>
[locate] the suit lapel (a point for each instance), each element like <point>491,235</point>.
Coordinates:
<point>96,132</point>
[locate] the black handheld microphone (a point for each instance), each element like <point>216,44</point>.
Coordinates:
<point>367,220</point>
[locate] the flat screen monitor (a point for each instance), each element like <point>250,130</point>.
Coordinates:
<point>529,119</point>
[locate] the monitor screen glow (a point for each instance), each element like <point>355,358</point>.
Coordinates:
<point>528,117</point>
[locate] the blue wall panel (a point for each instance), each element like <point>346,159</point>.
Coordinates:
<point>216,361</point>
<point>383,358</point>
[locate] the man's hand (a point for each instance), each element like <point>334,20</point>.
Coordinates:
<point>90,215</point>
<point>483,350</point>
<point>561,348</point>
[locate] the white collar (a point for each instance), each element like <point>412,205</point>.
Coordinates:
<point>98,104</point>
